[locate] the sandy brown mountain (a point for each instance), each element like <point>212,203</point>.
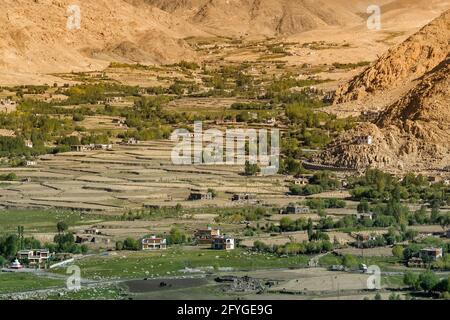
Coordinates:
<point>406,62</point>
<point>411,134</point>
<point>34,36</point>
<point>259,17</point>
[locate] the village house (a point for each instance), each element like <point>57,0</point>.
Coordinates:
<point>206,236</point>
<point>364,140</point>
<point>114,100</point>
<point>430,254</point>
<point>416,262</point>
<point>80,148</point>
<point>364,216</point>
<point>94,231</point>
<point>295,209</point>
<point>30,163</point>
<point>28,144</point>
<point>92,239</point>
<point>130,141</point>
<point>120,122</point>
<point>34,257</point>
<point>369,116</point>
<point>364,236</point>
<point>439,179</point>
<point>7,105</point>
<point>154,243</point>
<point>101,146</point>
<point>92,236</point>
<point>223,243</point>
<point>200,196</point>
<point>271,121</point>
<point>243,197</point>
<point>300,181</point>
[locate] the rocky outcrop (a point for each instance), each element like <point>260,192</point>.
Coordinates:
<point>404,63</point>
<point>413,133</point>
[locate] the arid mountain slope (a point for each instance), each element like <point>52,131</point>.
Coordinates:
<point>411,59</point>
<point>259,17</point>
<point>411,134</point>
<point>34,36</point>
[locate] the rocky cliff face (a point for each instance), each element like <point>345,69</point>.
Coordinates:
<point>34,36</point>
<point>404,63</point>
<point>413,133</point>
<point>259,17</point>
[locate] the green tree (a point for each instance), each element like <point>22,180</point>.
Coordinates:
<point>363,206</point>
<point>397,251</point>
<point>349,261</point>
<point>131,244</point>
<point>394,296</point>
<point>286,224</point>
<point>119,245</point>
<point>310,229</point>
<point>443,285</point>
<point>428,280</point>
<point>177,236</point>
<point>9,246</point>
<point>62,227</point>
<point>411,280</point>
<point>251,169</point>
<point>2,261</point>
<point>213,192</point>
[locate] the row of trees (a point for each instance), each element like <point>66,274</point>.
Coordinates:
<point>376,185</point>
<point>295,248</point>
<point>428,282</point>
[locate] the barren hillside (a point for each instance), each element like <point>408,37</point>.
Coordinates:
<point>411,134</point>
<point>35,38</point>
<point>411,59</point>
<point>259,17</point>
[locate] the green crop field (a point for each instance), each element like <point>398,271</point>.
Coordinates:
<point>40,220</point>
<point>170,262</point>
<point>19,282</point>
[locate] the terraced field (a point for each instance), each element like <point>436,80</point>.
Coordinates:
<point>130,177</point>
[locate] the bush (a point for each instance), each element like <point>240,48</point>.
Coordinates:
<point>349,261</point>
<point>78,117</point>
<point>8,177</point>
<point>397,251</point>
<point>2,261</point>
<point>251,169</point>
<point>306,190</point>
<point>411,280</point>
<point>119,245</point>
<point>131,244</point>
<point>176,236</point>
<point>428,280</point>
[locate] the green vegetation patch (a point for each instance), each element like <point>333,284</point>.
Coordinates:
<point>40,220</point>
<point>170,262</point>
<point>20,282</point>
